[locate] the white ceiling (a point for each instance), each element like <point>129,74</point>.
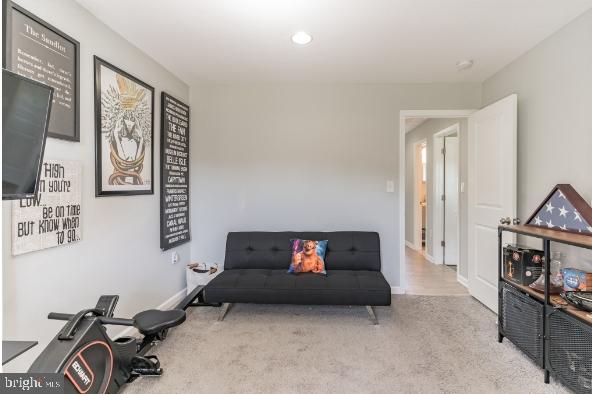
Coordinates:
<point>354,41</point>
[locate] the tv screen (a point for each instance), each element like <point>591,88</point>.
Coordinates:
<point>26,105</point>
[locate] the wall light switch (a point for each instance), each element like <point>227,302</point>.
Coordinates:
<point>390,186</point>
<point>174,258</point>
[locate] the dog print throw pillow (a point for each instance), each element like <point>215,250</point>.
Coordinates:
<point>308,256</point>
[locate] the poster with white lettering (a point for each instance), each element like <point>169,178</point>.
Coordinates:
<point>53,217</point>
<point>174,174</point>
<point>43,53</point>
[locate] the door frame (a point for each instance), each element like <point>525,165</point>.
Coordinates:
<point>416,207</point>
<point>404,114</point>
<point>438,206</point>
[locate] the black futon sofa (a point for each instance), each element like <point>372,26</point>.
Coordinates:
<point>256,265</point>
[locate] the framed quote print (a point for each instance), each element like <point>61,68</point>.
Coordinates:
<point>41,52</point>
<point>174,172</point>
<point>124,129</point>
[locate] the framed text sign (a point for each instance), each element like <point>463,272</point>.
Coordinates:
<point>52,218</point>
<point>41,52</point>
<point>174,174</point>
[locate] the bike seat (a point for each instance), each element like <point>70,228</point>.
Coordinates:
<point>152,321</point>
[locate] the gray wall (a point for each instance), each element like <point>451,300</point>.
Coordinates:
<point>119,252</point>
<point>427,130</point>
<point>310,157</point>
<point>554,86</point>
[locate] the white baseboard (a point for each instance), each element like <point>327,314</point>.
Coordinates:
<point>173,301</point>
<point>410,245</point>
<point>429,258</point>
<point>463,281</point>
<point>397,290</point>
<point>168,304</point>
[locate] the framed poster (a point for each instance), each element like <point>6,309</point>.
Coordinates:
<point>39,51</point>
<point>53,216</point>
<point>174,172</point>
<point>124,128</point>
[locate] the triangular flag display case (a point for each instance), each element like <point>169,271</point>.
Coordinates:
<point>564,210</point>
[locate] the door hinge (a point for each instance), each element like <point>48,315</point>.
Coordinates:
<point>444,151</point>
<point>443,197</point>
<point>442,243</point>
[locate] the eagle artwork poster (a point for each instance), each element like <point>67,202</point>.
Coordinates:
<point>125,114</point>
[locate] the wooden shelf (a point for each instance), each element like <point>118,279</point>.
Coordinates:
<point>571,310</point>
<point>525,289</point>
<point>574,239</point>
<point>556,301</point>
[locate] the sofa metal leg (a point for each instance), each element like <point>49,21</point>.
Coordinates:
<point>372,315</point>
<point>223,309</point>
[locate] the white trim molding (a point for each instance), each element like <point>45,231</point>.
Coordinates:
<point>410,245</point>
<point>397,290</point>
<point>173,301</point>
<point>462,280</point>
<point>429,258</point>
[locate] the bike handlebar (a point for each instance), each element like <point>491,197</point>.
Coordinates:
<point>59,316</point>
<point>103,319</point>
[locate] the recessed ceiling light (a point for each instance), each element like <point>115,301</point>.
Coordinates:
<point>464,64</point>
<point>301,38</point>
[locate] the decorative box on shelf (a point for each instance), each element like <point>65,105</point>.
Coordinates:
<point>522,265</point>
<point>199,274</point>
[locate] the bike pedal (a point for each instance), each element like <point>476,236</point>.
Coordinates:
<point>146,366</point>
<point>150,373</point>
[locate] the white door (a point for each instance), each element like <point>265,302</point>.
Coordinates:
<point>492,171</point>
<point>451,169</point>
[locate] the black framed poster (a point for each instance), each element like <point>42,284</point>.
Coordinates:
<point>39,51</point>
<point>124,130</point>
<point>174,173</point>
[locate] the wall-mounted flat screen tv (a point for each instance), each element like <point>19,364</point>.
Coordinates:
<point>26,106</point>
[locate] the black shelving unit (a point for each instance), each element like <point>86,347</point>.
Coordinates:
<point>557,336</point>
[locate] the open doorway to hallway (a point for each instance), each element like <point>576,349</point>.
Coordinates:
<point>420,204</point>
<point>435,205</point>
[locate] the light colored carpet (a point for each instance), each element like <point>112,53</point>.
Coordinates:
<point>422,345</point>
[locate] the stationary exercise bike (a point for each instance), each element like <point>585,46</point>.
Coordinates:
<point>93,363</point>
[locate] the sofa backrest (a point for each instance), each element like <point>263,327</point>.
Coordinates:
<point>346,250</point>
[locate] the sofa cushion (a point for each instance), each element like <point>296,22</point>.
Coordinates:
<point>266,286</point>
<point>347,250</point>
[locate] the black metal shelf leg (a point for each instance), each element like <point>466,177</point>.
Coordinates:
<point>500,335</point>
<point>547,303</point>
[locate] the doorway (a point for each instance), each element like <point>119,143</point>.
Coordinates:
<point>420,196</point>
<point>488,163</point>
<point>447,186</point>
<point>432,152</point>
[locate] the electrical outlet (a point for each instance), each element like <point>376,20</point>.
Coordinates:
<point>174,258</point>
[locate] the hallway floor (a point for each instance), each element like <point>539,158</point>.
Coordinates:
<point>425,278</point>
